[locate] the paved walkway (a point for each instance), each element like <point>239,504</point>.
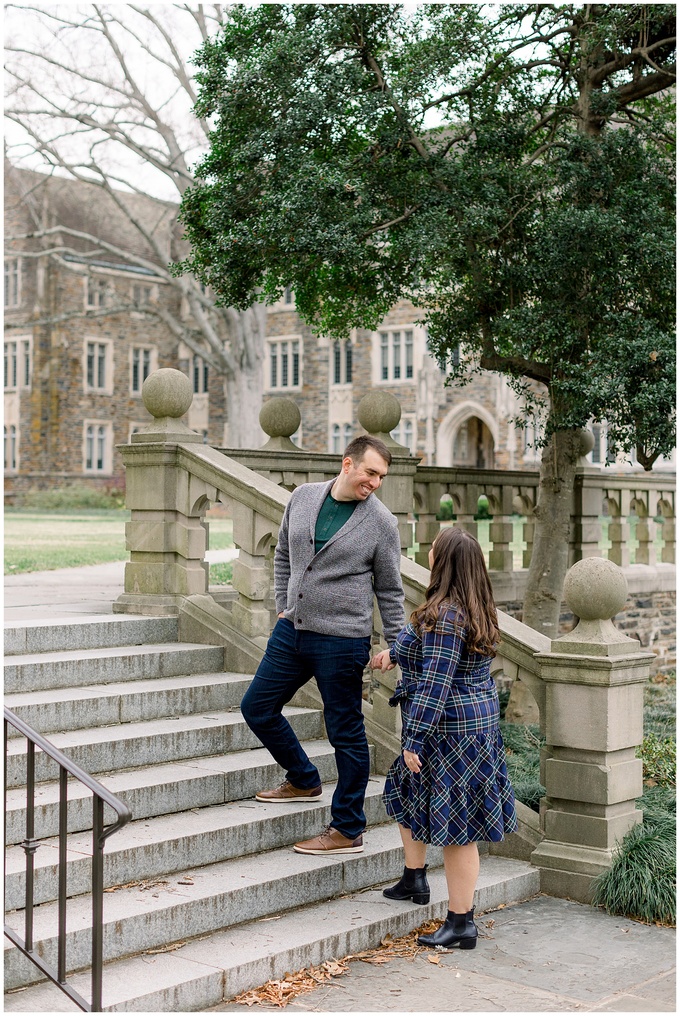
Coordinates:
<point>545,955</point>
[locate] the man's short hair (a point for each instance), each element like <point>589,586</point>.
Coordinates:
<point>357,448</point>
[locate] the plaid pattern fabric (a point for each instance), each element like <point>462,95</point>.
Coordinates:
<point>450,719</point>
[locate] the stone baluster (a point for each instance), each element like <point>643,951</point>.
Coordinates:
<point>619,505</point>
<point>667,531</point>
<point>166,536</point>
<point>427,504</point>
<point>465,519</point>
<point>254,536</point>
<point>586,527</point>
<point>501,529</point>
<point>594,679</point>
<point>645,530</point>
<point>379,413</point>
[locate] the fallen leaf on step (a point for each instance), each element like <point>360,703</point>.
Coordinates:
<point>434,959</point>
<point>165,948</point>
<point>185,881</point>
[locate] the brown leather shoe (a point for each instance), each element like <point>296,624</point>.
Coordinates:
<point>330,842</point>
<point>287,792</point>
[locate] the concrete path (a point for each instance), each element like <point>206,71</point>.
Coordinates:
<point>545,955</point>
<point>70,592</point>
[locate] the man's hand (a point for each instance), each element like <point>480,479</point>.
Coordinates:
<point>412,761</point>
<point>281,615</point>
<point>381,661</point>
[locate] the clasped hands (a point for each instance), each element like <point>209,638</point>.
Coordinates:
<point>381,661</point>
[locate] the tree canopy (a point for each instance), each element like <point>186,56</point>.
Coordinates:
<point>509,168</point>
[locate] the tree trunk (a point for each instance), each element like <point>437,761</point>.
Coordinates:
<point>549,560</point>
<point>244,401</point>
<point>550,556</point>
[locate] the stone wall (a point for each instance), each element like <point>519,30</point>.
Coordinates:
<point>650,618</point>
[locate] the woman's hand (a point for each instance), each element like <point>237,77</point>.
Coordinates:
<point>381,661</point>
<point>412,761</point>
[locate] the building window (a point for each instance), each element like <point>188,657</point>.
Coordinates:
<point>347,434</point>
<point>26,364</point>
<point>12,282</point>
<point>288,295</point>
<point>396,355</point>
<point>10,365</point>
<point>18,363</point>
<point>95,292</point>
<point>10,436</point>
<point>284,363</point>
<point>404,433</point>
<point>200,375</point>
<point>141,295</point>
<point>342,363</point>
<point>97,368</point>
<point>335,439</point>
<point>142,365</point>
<point>97,447</point>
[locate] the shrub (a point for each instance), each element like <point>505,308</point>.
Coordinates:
<point>658,760</point>
<point>445,513</point>
<point>641,881</point>
<point>73,497</point>
<point>522,752</point>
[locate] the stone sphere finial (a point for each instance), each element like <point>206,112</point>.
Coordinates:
<point>279,417</point>
<point>378,414</point>
<point>595,589</point>
<point>167,393</point>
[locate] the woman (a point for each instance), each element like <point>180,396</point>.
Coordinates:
<point>450,785</point>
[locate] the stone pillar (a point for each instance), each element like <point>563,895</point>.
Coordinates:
<point>254,536</point>
<point>426,505</point>
<point>379,413</point>
<point>594,679</point>
<point>166,536</point>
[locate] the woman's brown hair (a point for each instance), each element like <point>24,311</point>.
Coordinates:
<point>459,577</point>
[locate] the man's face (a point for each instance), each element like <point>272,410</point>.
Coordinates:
<point>363,477</point>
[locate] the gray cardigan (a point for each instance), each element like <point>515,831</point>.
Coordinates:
<point>332,592</point>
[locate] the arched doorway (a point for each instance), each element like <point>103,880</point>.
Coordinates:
<point>473,445</point>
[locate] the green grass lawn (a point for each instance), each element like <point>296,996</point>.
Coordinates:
<point>43,541</point>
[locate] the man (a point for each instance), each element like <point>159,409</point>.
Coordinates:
<point>338,546</point>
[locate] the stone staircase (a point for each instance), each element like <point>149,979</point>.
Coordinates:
<point>205,897</point>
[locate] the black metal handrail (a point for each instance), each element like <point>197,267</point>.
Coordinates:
<point>100,797</point>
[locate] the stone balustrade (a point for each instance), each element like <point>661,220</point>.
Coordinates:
<point>587,684</point>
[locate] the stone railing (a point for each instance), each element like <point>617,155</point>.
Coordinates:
<point>588,684</point>
<point>609,508</point>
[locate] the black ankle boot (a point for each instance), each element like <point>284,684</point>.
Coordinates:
<point>457,930</point>
<point>411,886</point>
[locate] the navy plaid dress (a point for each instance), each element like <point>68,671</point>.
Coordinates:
<point>450,719</point>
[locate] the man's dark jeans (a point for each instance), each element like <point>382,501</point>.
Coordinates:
<point>291,659</point>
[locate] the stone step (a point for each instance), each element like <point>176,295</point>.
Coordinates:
<point>89,632</point>
<point>154,848</point>
<point>109,749</point>
<point>223,963</point>
<point>161,789</point>
<point>75,668</point>
<point>101,705</point>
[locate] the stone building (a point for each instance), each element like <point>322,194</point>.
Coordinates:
<point>85,325</point>
<point>79,340</point>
